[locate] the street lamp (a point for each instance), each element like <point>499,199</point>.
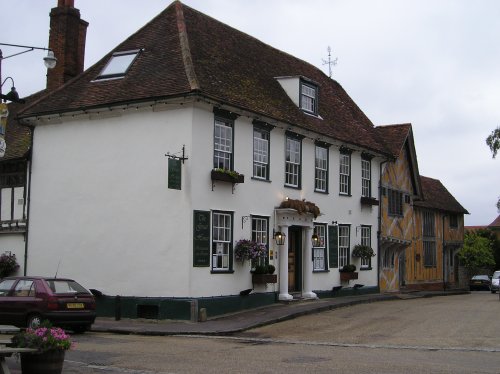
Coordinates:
<point>50,62</point>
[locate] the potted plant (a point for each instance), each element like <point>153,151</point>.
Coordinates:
<point>263,274</point>
<point>226,175</point>
<point>348,272</point>
<point>8,264</point>
<point>301,206</point>
<point>51,344</point>
<point>363,251</point>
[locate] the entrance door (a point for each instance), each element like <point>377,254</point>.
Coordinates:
<point>294,259</point>
<point>402,269</point>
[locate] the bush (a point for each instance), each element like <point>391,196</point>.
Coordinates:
<point>8,264</point>
<point>349,268</point>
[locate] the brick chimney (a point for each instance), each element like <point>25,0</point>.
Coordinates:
<point>67,39</point>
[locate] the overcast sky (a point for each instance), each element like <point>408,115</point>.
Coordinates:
<point>435,64</point>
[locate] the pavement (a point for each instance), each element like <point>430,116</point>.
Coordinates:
<point>252,318</point>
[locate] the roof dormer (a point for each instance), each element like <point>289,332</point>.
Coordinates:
<point>303,92</point>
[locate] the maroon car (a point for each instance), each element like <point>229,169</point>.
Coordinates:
<point>27,301</point>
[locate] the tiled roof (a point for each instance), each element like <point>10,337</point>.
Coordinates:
<point>495,223</point>
<point>436,196</point>
<point>186,52</point>
<point>18,137</point>
<point>394,137</point>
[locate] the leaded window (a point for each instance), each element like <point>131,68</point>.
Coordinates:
<point>429,238</point>
<point>395,202</point>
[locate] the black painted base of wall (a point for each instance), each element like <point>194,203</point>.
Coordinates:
<point>187,309</point>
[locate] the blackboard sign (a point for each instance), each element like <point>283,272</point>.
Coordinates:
<point>201,238</point>
<point>174,174</point>
<point>333,246</point>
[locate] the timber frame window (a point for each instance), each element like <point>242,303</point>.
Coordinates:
<point>395,202</point>
<point>319,253</point>
<point>366,239</point>
<point>321,168</point>
<point>344,244</point>
<point>309,97</point>
<point>453,221</point>
<point>345,173</point>
<point>293,160</point>
<point>429,238</point>
<point>261,147</point>
<point>366,177</point>
<point>222,241</point>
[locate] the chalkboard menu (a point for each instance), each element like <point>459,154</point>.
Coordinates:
<point>201,238</point>
<point>174,174</point>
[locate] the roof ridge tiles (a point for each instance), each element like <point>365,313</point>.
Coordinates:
<point>185,49</point>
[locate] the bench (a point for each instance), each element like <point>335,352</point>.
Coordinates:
<point>7,352</point>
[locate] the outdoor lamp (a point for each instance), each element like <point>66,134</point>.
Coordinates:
<point>50,60</point>
<point>315,240</point>
<point>12,95</point>
<point>279,237</point>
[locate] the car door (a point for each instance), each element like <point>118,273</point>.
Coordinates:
<point>23,301</point>
<point>6,287</point>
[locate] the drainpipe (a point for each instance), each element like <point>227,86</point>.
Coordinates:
<point>379,219</point>
<point>444,264</point>
<point>28,201</point>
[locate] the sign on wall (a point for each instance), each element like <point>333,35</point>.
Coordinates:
<point>201,238</point>
<point>174,174</point>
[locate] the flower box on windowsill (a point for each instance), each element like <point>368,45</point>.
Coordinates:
<point>369,201</point>
<point>227,176</point>
<point>264,278</point>
<point>348,275</point>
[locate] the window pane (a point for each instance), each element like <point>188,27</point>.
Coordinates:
<point>223,145</point>
<point>221,236</point>
<point>321,169</point>
<point>345,161</point>
<point>292,167</point>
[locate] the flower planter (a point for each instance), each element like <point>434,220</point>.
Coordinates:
<point>347,276</point>
<point>217,175</point>
<point>369,201</point>
<point>264,278</point>
<point>50,362</point>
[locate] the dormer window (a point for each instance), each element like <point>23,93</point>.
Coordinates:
<point>309,97</point>
<point>119,64</point>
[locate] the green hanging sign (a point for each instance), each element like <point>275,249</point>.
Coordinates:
<point>174,174</point>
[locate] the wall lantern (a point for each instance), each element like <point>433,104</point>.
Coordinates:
<point>279,237</point>
<point>315,240</point>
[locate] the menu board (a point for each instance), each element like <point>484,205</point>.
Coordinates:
<point>201,238</point>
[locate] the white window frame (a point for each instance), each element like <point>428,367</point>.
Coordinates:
<point>319,252</point>
<point>366,239</point>
<point>321,169</point>
<point>260,234</point>
<point>118,64</point>
<point>293,162</point>
<point>309,98</point>
<point>223,144</point>
<point>344,244</point>
<point>366,178</point>
<point>345,174</point>
<point>221,240</point>
<point>261,153</point>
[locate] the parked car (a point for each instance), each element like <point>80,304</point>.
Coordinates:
<point>495,282</point>
<point>480,282</point>
<point>27,301</point>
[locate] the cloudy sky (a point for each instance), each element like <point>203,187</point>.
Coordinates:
<point>435,64</point>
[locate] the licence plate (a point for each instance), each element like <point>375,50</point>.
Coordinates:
<point>75,305</point>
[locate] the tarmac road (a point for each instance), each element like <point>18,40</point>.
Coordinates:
<point>453,334</point>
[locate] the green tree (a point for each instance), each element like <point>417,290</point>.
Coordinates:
<point>493,141</point>
<point>494,242</point>
<point>476,253</point>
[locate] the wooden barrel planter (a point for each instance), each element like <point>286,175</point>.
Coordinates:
<point>347,276</point>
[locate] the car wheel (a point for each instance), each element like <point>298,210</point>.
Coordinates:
<point>34,321</point>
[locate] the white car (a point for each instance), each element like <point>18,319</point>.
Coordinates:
<point>495,282</point>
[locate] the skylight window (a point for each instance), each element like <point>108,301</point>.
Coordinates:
<point>119,64</point>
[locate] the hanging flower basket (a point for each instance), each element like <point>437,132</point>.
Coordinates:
<point>362,251</point>
<point>245,249</point>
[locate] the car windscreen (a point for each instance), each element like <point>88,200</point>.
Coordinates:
<point>496,275</point>
<point>59,286</point>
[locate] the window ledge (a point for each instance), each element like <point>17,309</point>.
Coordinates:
<point>321,271</point>
<point>322,192</point>
<point>345,195</point>
<point>369,201</point>
<point>365,269</point>
<point>261,179</point>
<point>221,271</point>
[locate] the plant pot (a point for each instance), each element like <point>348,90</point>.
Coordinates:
<point>347,276</point>
<point>42,363</point>
<point>369,201</point>
<point>225,177</point>
<point>264,278</point>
